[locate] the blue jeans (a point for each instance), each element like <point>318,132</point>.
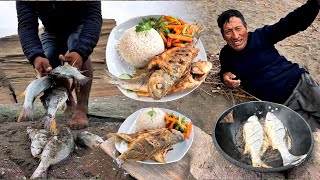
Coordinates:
<point>55,44</point>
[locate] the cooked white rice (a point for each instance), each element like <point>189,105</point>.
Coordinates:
<point>150,118</point>
<point>138,48</point>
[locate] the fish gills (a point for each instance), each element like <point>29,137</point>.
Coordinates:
<point>276,134</point>
<point>68,71</point>
<point>160,84</point>
<point>39,139</point>
<point>254,141</point>
<point>57,149</point>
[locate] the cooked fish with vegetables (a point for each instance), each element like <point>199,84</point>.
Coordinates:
<point>151,144</point>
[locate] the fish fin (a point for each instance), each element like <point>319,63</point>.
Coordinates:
<point>53,127</point>
<point>37,74</point>
<point>84,71</point>
<point>20,115</point>
<point>292,159</point>
<point>84,80</point>
<point>22,94</point>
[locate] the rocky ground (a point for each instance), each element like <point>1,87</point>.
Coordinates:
<point>15,73</point>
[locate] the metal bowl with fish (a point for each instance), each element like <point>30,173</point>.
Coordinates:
<point>263,136</point>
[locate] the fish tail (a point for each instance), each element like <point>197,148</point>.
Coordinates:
<point>257,162</point>
<point>25,112</point>
<point>41,171</point>
<point>290,159</point>
<point>112,79</point>
<point>84,80</point>
<point>21,115</point>
<point>22,94</point>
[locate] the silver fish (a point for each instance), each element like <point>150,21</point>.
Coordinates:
<point>137,84</point>
<point>254,139</point>
<point>39,138</point>
<point>34,89</point>
<point>57,149</point>
<point>52,100</point>
<point>276,133</point>
<point>68,71</point>
<point>89,139</point>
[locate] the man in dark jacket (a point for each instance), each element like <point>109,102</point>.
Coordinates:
<point>250,58</point>
<point>71,32</point>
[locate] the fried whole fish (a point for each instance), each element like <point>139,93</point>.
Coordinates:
<point>276,133</point>
<point>39,138</point>
<point>34,89</point>
<point>67,71</point>
<point>52,100</point>
<point>152,144</point>
<point>171,65</point>
<point>57,149</point>
<point>255,143</point>
<point>90,140</point>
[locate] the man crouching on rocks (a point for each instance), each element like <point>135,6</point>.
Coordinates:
<point>251,60</point>
<point>71,32</point>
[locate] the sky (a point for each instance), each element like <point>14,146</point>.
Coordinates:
<point>118,10</point>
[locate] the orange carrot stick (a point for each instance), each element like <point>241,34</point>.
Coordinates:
<point>182,22</point>
<point>171,26</point>
<point>175,41</point>
<point>180,37</point>
<point>188,132</point>
<point>163,38</point>
<point>178,45</point>
<point>169,42</point>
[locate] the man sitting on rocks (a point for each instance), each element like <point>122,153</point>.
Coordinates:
<point>250,58</point>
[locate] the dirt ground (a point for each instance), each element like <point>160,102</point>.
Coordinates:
<point>16,161</point>
<point>83,163</point>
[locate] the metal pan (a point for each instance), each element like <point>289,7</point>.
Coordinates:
<point>227,134</point>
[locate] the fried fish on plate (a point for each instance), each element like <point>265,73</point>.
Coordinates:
<point>152,144</point>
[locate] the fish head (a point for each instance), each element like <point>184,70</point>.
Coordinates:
<point>160,83</point>
<point>252,118</point>
<point>270,117</point>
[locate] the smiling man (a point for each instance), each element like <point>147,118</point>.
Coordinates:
<point>250,60</point>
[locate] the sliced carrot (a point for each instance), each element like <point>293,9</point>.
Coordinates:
<point>182,22</point>
<point>188,132</point>
<point>163,38</point>
<point>180,37</point>
<point>171,19</point>
<point>178,31</point>
<point>178,45</point>
<point>171,26</point>
<point>169,42</point>
<point>171,126</point>
<point>175,41</point>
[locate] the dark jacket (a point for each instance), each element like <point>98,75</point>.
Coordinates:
<point>263,72</point>
<point>59,18</point>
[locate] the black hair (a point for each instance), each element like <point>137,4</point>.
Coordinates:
<point>226,15</point>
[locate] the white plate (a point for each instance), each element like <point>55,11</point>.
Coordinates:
<point>174,155</point>
<point>116,66</point>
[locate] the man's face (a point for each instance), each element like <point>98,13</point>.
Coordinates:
<point>235,33</point>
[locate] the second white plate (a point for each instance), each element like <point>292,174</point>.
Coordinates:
<point>179,149</point>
